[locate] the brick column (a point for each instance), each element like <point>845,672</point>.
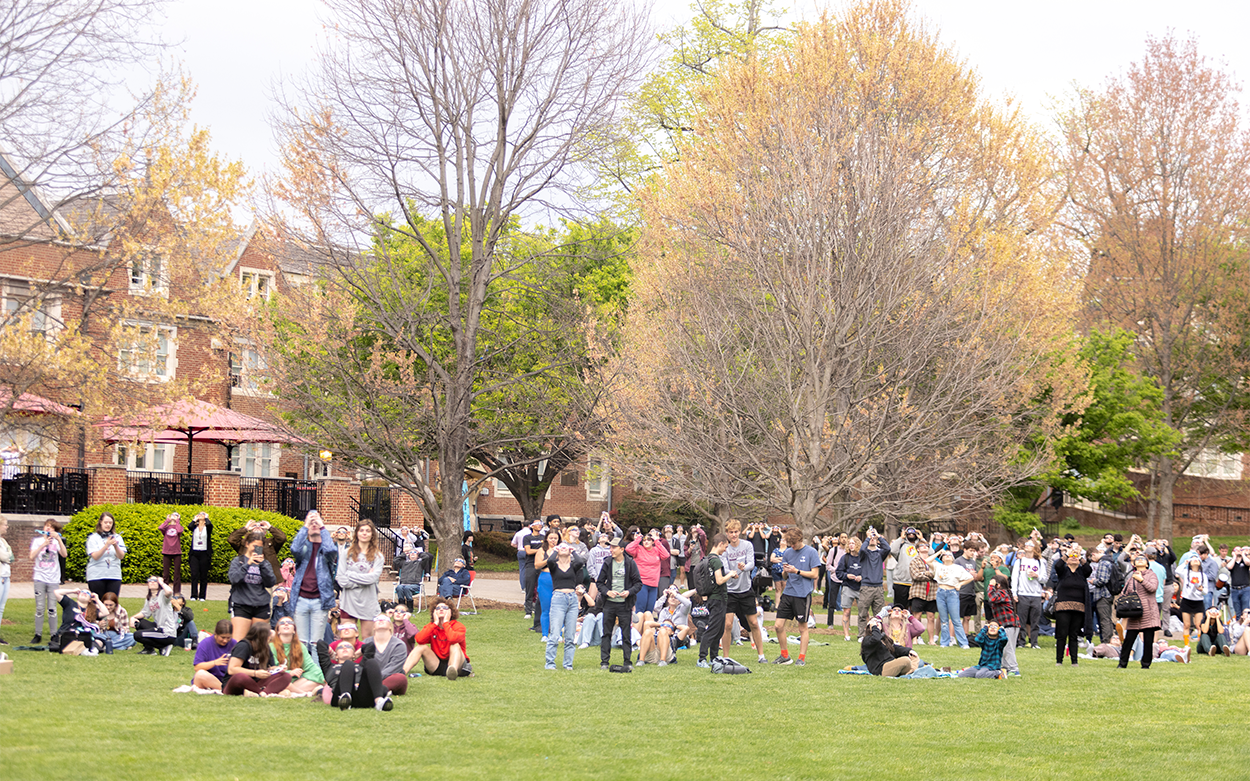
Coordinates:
<point>334,495</point>
<point>222,488</point>
<point>405,511</point>
<point>107,484</point>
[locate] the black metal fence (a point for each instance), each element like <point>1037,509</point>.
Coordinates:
<point>374,505</point>
<point>164,488</point>
<point>293,498</point>
<point>51,490</point>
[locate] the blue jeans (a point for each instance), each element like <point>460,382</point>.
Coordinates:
<point>121,641</point>
<point>646,598</point>
<point>544,601</point>
<point>592,629</point>
<point>948,611</point>
<point>520,566</point>
<point>310,620</point>
<point>404,592</point>
<point>563,614</point>
<point>1238,600</point>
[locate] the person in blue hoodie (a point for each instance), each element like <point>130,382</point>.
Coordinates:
<point>312,589</point>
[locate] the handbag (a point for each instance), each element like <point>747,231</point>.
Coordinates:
<point>1128,605</point>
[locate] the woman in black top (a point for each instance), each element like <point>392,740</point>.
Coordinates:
<point>252,670</point>
<point>201,555</point>
<point>466,550</point>
<point>1068,583</point>
<point>567,573</point>
<point>250,575</point>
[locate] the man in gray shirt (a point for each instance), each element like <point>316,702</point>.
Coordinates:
<point>739,560</point>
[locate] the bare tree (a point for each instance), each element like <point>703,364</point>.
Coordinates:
<point>444,124</point>
<point>1159,171</point>
<point>849,272</point>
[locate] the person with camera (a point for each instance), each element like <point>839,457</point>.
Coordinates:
<point>171,550</point>
<point>1238,565</point>
<point>739,559</point>
<point>664,626</point>
<point>250,578</point>
<point>1069,583</point>
<point>568,573</point>
<point>884,657</point>
<point>799,564</point>
<point>212,658</point>
<point>200,555</point>
<point>105,551</point>
<point>904,549</point>
<point>1143,583</point>
<point>1101,584</point>
<point>1194,588</point>
<point>1029,575</point>
<point>312,588</point>
<point>76,604</point>
<point>441,644</point>
<point>156,625</point>
<point>272,540</point>
<point>359,570</point>
<point>46,551</point>
<point>648,552</point>
<point>252,670</point>
<point>1211,638</point>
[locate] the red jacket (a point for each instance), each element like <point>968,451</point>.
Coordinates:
<point>442,638</point>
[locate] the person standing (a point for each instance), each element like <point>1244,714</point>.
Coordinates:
<point>105,551</point>
<point>531,544</point>
<point>717,601</point>
<point>1069,584</point>
<point>518,544</point>
<point>250,578</point>
<point>800,563</point>
<point>739,558</point>
<point>312,588</point>
<point>833,589</point>
<point>872,586</point>
<point>171,550</point>
<point>201,555</point>
<point>1100,592</point>
<point>950,578</point>
<point>359,570</point>
<point>6,570</point>
<point>272,538</point>
<point>1144,583</point>
<point>904,549</point>
<point>1003,612</point>
<point>618,585</point>
<point>46,550</point>
<point>1028,577</point>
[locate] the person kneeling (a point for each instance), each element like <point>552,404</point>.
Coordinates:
<point>992,640</point>
<point>441,644</point>
<point>883,656</point>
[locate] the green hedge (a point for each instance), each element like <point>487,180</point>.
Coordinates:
<point>495,543</point>
<point>137,523</point>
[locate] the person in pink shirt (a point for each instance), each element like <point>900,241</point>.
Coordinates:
<point>647,553</point>
<point>171,550</point>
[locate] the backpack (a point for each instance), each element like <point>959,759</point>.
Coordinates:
<point>704,580</point>
<point>728,666</point>
<point>1115,583</point>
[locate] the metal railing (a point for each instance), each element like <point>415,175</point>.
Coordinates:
<point>292,498</point>
<point>164,488</point>
<point>52,490</point>
<point>375,504</point>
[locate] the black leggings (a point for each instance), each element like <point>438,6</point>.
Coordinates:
<point>1068,626</point>
<point>1148,646</point>
<point>102,587</point>
<point>710,643</point>
<point>154,638</point>
<point>199,563</point>
<point>362,680</point>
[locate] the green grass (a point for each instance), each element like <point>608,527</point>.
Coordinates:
<point>114,717</point>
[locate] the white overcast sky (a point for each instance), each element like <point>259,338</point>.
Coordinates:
<point>235,49</point>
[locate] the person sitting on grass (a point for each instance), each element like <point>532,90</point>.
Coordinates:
<point>884,657</point>
<point>299,659</point>
<point>441,643</point>
<point>355,684</point>
<point>454,581</point>
<point>186,628</point>
<point>1212,640</point>
<point>348,635</point>
<point>390,653</point>
<point>405,630</point>
<point>212,659</point>
<point>992,640</point>
<point>156,625</point>
<point>902,627</point>
<point>665,628</point>
<point>252,670</point>
<point>114,622</point>
<point>74,603</point>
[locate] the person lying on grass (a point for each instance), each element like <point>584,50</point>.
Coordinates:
<point>883,656</point>
<point>212,658</point>
<point>355,684</point>
<point>441,644</point>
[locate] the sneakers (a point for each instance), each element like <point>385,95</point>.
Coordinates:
<point>800,663</point>
<point>783,660</point>
<point>551,667</point>
<point>919,641</point>
<point>703,663</point>
<point>605,666</point>
<point>662,663</point>
<point>628,668</point>
<point>147,651</point>
<point>583,646</point>
<point>90,652</point>
<point>642,662</point>
<point>763,659</point>
<point>385,705</point>
<point>1036,647</point>
<point>345,701</point>
<point>3,641</point>
<point>859,640</point>
<point>529,616</point>
<point>1014,673</point>
<point>165,651</point>
<point>36,640</point>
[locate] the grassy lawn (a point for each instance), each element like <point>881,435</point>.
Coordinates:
<point>114,717</point>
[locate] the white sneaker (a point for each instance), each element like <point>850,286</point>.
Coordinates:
<point>184,689</point>
<point>583,646</point>
<point>662,663</point>
<point>859,640</point>
<point>919,641</point>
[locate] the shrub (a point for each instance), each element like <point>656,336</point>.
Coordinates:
<point>495,543</point>
<point>137,523</point>
<point>1069,524</point>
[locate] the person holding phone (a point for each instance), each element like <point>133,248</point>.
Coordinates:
<point>105,551</point>
<point>213,658</point>
<point>440,644</point>
<point>251,575</point>
<point>272,539</point>
<point>46,550</point>
<point>647,552</point>
<point>156,625</point>
<point>201,555</point>
<point>312,588</point>
<point>171,550</point>
<point>252,669</point>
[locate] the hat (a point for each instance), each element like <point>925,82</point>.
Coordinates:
<point>617,542</point>
<point>1151,551</point>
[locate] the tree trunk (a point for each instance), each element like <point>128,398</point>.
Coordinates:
<point>1167,482</point>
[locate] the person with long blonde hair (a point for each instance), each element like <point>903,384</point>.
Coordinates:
<point>299,659</point>
<point>359,570</point>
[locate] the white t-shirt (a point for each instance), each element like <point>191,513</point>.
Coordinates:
<point>47,563</point>
<point>744,553</point>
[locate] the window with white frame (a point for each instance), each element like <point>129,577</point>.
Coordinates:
<point>42,312</point>
<point>148,351</point>
<point>256,284</point>
<point>247,369</point>
<point>144,457</point>
<point>148,274</point>
<point>1216,464</point>
<point>318,469</point>
<point>255,459</point>
<point>501,490</point>
<point>597,480</point>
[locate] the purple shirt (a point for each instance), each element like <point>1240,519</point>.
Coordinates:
<point>208,650</point>
<point>173,537</point>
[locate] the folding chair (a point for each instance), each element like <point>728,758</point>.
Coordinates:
<point>467,591</point>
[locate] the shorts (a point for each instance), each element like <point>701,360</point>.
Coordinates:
<point>1192,606</point>
<point>919,606</point>
<point>743,606</point>
<point>794,607</point>
<point>849,597</point>
<point>967,605</point>
<point>250,611</point>
<point>442,667</point>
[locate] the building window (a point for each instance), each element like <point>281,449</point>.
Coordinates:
<point>148,351</point>
<point>255,459</point>
<point>140,457</point>
<point>247,369</point>
<point>20,303</point>
<point>597,480</point>
<point>501,490</point>
<point>1216,464</point>
<point>148,274</point>
<point>256,284</point>
<point>318,469</point>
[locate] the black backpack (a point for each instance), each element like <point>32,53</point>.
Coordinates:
<point>704,580</point>
<point>1115,583</point>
